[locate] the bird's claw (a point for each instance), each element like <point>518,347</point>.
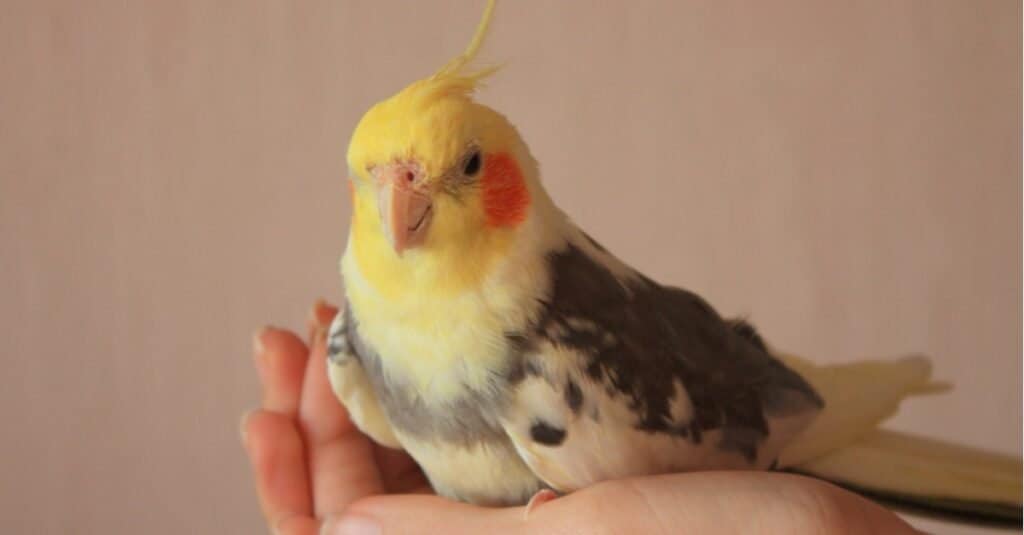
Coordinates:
<point>540,497</point>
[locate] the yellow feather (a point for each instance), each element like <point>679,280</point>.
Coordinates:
<point>454,67</point>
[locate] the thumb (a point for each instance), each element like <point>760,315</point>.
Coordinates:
<point>416,514</point>
<point>705,502</point>
<point>605,508</point>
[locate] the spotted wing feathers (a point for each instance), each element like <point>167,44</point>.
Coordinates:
<point>625,377</point>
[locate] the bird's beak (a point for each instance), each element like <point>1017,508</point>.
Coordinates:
<point>405,205</point>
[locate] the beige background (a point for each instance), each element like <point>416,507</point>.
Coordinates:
<point>846,173</point>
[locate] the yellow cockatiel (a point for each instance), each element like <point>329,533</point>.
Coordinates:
<point>508,352</point>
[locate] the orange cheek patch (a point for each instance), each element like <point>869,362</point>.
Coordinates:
<point>504,191</point>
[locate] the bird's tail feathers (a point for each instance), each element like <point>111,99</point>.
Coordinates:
<point>926,475</point>
<point>858,396</point>
<point>844,445</point>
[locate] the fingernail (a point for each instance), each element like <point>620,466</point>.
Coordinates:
<point>351,525</point>
<point>323,312</point>
<point>243,426</point>
<point>257,339</point>
<point>278,524</point>
<point>314,318</point>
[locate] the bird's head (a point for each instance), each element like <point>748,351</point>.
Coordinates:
<point>440,181</point>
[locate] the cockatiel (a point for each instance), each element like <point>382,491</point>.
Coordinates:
<point>509,352</point>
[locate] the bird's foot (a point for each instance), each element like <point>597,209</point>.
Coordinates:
<point>540,497</point>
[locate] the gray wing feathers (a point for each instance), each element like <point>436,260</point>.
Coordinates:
<point>352,386</point>
<point>703,390</point>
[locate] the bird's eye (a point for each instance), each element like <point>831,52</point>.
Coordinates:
<point>472,164</point>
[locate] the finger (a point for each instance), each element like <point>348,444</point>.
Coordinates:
<point>341,458</point>
<point>277,456</point>
<point>297,525</point>
<point>320,411</point>
<point>422,514</point>
<point>319,317</point>
<point>427,515</point>
<point>716,502</point>
<point>721,503</point>
<point>281,364</point>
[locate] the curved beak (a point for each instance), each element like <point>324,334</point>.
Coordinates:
<point>405,205</point>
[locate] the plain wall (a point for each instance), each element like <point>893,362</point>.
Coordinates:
<point>847,174</point>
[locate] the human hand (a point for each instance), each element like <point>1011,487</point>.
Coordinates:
<point>314,470</point>
<point>309,460</point>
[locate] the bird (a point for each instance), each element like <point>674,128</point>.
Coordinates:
<point>515,358</point>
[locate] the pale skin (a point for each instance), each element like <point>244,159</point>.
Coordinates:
<point>316,473</point>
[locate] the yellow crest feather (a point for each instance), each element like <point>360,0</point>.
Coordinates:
<point>451,78</point>
<point>453,67</point>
